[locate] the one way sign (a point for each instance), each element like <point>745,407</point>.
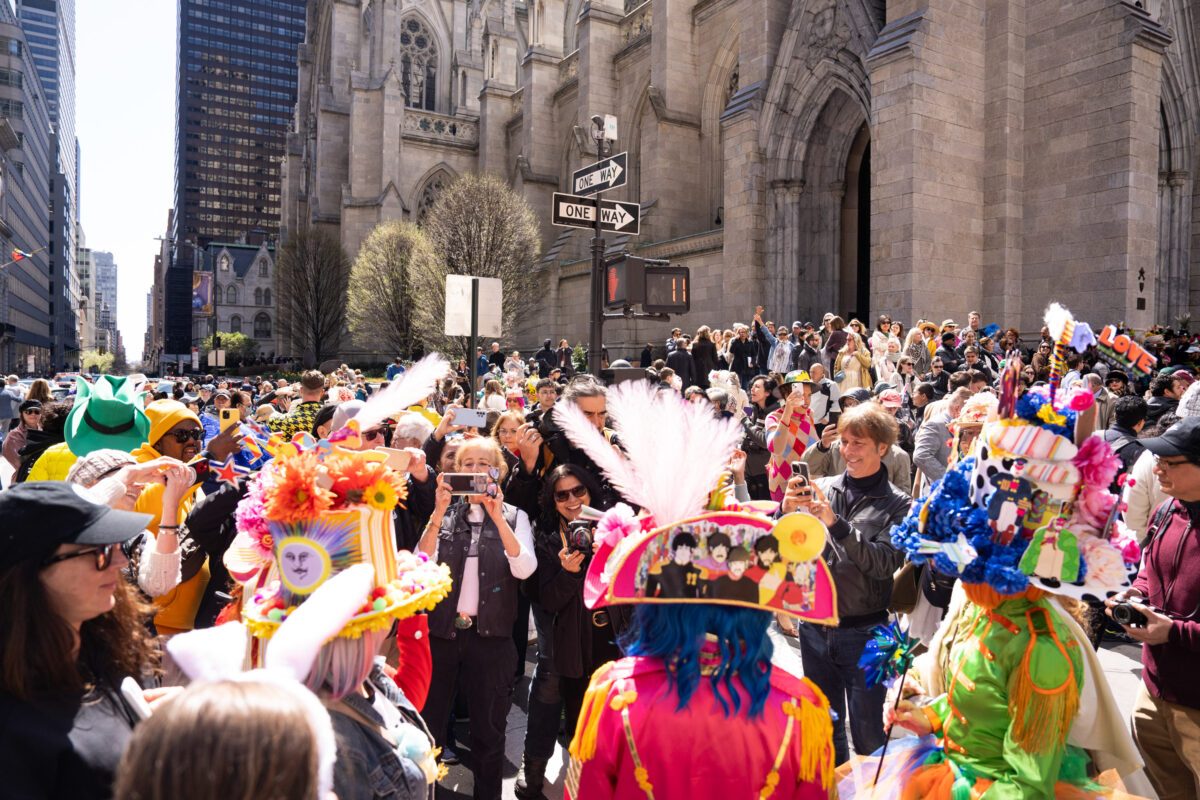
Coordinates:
<point>573,211</point>
<point>601,176</point>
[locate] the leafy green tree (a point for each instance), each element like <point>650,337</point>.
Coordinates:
<point>238,348</point>
<point>379,308</point>
<point>95,361</point>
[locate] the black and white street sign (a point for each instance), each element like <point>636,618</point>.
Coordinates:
<point>573,211</point>
<point>601,176</point>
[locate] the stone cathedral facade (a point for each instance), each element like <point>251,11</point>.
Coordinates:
<point>919,158</point>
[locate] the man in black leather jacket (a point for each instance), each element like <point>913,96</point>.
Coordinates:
<point>859,507</point>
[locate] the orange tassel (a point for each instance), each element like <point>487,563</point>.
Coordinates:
<point>1042,717</point>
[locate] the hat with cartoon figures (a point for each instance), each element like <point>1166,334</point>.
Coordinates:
<point>1030,506</point>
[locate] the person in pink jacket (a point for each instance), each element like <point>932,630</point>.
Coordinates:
<point>695,709</point>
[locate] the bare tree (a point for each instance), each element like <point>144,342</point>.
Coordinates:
<point>380,304</point>
<point>482,228</point>
<point>311,274</point>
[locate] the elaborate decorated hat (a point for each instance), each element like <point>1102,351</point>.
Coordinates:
<point>319,508</point>
<point>1030,506</point>
<point>107,415</point>
<point>690,544</point>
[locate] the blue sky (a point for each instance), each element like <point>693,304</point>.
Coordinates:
<point>125,121</point>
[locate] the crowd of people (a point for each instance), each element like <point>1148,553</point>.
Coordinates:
<point>142,515</point>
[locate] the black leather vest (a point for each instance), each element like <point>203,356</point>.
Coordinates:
<point>497,587</point>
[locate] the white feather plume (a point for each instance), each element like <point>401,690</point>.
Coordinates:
<point>417,383</point>
<point>1056,319</point>
<point>674,451</point>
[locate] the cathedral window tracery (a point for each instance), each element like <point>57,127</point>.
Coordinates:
<point>418,65</point>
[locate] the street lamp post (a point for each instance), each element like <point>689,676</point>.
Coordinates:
<point>596,327</point>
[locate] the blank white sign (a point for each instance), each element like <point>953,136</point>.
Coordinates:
<point>458,306</point>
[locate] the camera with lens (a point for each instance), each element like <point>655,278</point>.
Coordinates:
<point>1126,614</point>
<point>579,536</point>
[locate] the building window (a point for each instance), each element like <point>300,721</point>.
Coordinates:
<point>262,326</point>
<point>418,65</point>
<point>258,297</point>
<point>217,295</point>
<point>430,194</point>
<point>263,269</point>
<point>10,77</point>
<point>235,324</point>
<point>231,296</point>
<point>12,46</point>
<point>13,109</point>
<point>225,263</point>
<point>267,297</point>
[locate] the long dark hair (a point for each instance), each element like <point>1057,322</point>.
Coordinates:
<point>37,644</point>
<point>550,517</point>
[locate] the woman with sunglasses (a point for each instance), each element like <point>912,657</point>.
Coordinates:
<point>71,632</point>
<point>29,418</point>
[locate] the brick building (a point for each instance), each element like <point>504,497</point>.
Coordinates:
<point>916,158</point>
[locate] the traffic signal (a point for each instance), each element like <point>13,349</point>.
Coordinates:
<point>623,280</point>
<point>667,290</point>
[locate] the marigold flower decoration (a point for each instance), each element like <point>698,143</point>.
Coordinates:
<point>357,480</point>
<point>295,494</point>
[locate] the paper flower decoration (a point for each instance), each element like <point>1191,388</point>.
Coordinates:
<point>888,654</point>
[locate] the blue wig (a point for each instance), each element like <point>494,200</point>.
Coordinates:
<point>675,633</point>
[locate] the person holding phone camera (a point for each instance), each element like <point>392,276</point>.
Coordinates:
<point>1162,611</point>
<point>488,546</point>
<point>859,507</point>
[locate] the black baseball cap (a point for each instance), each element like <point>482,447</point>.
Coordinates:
<point>1181,439</point>
<point>40,516</point>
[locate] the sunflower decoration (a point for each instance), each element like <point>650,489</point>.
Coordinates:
<point>358,480</point>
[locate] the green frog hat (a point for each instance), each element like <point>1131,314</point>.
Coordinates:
<point>107,414</point>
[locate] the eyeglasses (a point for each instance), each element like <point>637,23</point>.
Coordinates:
<point>103,556</point>
<point>184,436</point>
<point>37,412</point>
<point>1162,462</point>
<point>937,366</point>
<point>564,495</point>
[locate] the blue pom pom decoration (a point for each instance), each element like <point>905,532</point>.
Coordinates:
<point>951,511</point>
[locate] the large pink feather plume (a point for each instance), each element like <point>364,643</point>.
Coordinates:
<point>674,451</point>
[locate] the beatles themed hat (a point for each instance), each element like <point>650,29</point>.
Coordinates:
<point>686,547</point>
<point>1030,505</point>
<point>319,508</point>
<point>107,415</point>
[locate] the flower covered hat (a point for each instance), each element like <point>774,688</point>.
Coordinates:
<point>308,516</point>
<point>1030,506</point>
<point>320,507</point>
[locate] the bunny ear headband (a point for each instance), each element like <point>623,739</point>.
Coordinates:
<point>217,654</point>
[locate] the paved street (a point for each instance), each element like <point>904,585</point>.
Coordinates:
<point>1121,663</point>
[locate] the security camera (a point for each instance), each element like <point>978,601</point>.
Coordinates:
<point>598,121</point>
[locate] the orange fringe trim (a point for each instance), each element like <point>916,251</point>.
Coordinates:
<point>988,598</point>
<point>1042,717</point>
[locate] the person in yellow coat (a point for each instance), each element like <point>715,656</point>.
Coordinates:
<point>176,432</point>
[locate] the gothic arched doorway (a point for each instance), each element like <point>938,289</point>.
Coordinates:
<point>854,286</point>
<point>818,255</point>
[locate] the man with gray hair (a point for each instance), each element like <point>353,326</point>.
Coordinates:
<point>1106,401</point>
<point>931,452</point>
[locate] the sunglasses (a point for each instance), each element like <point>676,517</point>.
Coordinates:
<point>372,434</point>
<point>184,436</point>
<point>103,556</point>
<point>566,494</point>
<point>37,412</point>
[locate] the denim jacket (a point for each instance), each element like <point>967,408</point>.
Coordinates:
<point>368,767</point>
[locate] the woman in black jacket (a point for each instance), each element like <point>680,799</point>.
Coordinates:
<point>704,355</point>
<point>764,398</point>
<point>583,639</point>
<point>70,634</point>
